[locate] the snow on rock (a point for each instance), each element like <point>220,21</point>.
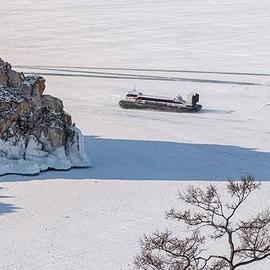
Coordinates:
<point>36,134</point>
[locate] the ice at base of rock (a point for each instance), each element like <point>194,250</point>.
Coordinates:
<point>36,160</point>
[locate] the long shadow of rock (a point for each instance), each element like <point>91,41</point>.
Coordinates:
<point>159,160</point>
<point>6,207</point>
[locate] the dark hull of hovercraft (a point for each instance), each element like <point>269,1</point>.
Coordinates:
<point>181,108</point>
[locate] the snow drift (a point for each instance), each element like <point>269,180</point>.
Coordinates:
<point>36,134</point>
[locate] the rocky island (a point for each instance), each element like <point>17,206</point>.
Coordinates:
<point>36,134</point>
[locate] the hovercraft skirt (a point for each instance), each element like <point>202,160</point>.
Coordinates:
<point>159,107</point>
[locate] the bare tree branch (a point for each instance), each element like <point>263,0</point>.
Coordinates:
<point>247,241</point>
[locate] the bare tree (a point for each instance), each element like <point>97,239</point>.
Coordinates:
<point>210,219</point>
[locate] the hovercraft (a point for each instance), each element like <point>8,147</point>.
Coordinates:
<point>137,100</point>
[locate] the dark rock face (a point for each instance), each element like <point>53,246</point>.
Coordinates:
<point>27,115</point>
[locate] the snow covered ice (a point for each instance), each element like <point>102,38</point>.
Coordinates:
<point>91,53</point>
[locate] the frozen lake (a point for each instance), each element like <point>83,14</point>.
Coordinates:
<point>91,53</point>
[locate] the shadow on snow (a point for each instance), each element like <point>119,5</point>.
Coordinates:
<point>6,207</point>
<point>159,160</point>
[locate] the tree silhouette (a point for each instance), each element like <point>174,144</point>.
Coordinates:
<point>210,219</point>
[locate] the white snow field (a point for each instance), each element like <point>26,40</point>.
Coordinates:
<point>91,53</point>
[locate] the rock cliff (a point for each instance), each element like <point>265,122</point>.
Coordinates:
<point>36,134</point>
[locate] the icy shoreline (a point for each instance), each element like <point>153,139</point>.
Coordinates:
<point>31,160</point>
<point>36,133</point>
